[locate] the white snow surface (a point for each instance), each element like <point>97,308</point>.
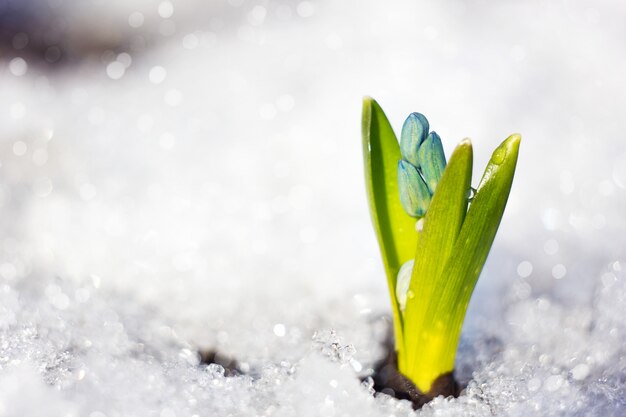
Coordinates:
<point>207,193</point>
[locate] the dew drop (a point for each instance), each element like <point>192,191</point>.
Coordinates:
<point>471,193</point>
<point>498,155</point>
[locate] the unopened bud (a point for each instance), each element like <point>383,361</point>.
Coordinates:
<point>414,194</point>
<point>414,131</point>
<point>432,160</point>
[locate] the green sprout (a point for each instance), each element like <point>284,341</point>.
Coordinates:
<point>433,244</point>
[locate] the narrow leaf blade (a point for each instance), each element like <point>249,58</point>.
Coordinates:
<point>469,255</point>
<point>442,224</point>
<point>394,228</point>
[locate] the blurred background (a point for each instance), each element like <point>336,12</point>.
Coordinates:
<point>201,160</point>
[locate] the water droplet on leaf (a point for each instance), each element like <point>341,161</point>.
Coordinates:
<point>498,155</point>
<point>471,193</point>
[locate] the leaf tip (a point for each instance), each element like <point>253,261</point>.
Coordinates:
<point>514,140</point>
<point>465,147</point>
<point>507,150</point>
<point>466,142</point>
<point>369,102</point>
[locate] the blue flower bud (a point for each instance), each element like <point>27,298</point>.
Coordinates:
<point>414,194</point>
<point>432,160</point>
<point>414,131</point>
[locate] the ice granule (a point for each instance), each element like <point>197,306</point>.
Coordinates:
<point>329,344</point>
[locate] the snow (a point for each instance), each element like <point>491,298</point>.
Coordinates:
<point>201,187</point>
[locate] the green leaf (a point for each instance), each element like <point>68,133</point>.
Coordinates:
<point>446,310</point>
<point>441,227</point>
<point>394,228</point>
